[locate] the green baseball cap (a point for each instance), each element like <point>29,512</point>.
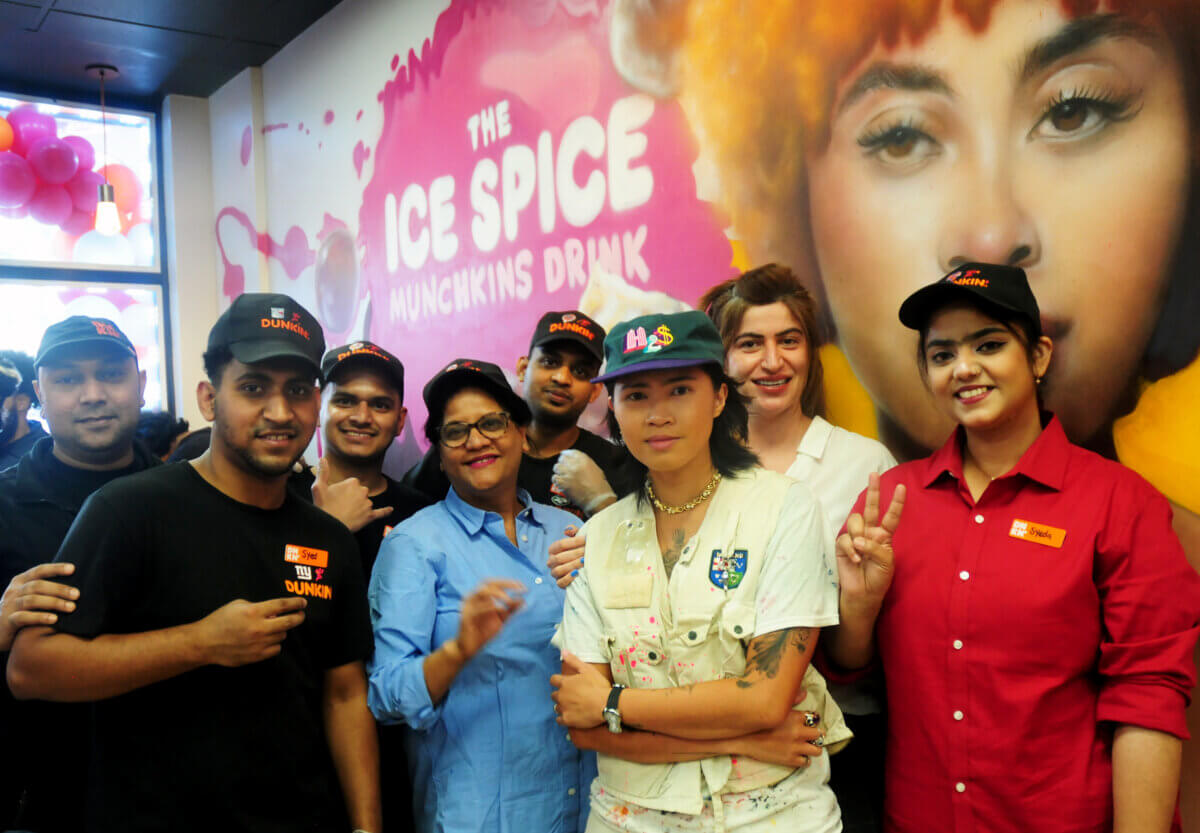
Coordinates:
<point>660,341</point>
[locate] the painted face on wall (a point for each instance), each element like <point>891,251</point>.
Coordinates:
<point>1058,145</point>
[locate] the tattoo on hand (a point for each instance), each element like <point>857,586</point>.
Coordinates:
<point>769,651</point>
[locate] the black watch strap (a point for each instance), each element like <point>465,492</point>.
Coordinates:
<point>613,697</point>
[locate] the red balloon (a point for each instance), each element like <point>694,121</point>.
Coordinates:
<point>127,188</point>
<point>80,222</point>
<point>6,135</point>
<point>28,126</point>
<point>53,160</point>
<point>84,150</point>
<point>51,204</point>
<point>84,189</point>
<point>17,181</point>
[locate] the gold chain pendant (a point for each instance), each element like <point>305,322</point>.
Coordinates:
<point>683,507</point>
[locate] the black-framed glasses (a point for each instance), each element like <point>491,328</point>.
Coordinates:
<point>492,426</point>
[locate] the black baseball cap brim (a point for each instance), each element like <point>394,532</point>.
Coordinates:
<point>1005,289</point>
<point>106,343</point>
<point>261,350</point>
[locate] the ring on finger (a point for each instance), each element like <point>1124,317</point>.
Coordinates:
<point>819,742</point>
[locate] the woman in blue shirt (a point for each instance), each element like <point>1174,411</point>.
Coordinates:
<point>464,608</point>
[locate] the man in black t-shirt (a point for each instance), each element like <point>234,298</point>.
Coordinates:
<point>87,378</point>
<point>362,412</point>
<point>222,623</point>
<point>563,465</point>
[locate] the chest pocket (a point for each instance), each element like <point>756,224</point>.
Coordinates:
<point>630,580</point>
<point>632,659</point>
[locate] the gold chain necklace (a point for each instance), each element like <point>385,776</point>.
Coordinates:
<point>683,507</point>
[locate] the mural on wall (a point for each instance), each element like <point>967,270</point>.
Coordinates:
<point>543,155</point>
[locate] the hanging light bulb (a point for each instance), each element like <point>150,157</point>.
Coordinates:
<point>108,219</point>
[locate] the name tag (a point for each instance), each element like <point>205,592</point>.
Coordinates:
<point>1038,533</point>
<point>306,555</point>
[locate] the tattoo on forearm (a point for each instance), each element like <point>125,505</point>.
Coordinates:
<point>671,556</point>
<point>770,650</point>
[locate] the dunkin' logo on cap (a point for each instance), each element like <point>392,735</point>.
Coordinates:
<point>296,554</point>
<point>968,278</point>
<point>103,328</point>
<point>569,324</point>
<point>277,322</point>
<point>360,349</point>
<point>637,341</point>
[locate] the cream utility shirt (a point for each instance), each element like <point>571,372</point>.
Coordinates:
<point>758,564</point>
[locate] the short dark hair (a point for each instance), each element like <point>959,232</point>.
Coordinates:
<point>728,443</point>
<point>215,362</point>
<point>434,421</point>
<point>157,429</point>
<point>23,362</point>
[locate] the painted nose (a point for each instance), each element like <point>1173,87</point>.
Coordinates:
<point>989,224</point>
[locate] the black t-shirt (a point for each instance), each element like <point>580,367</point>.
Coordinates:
<point>42,789</point>
<point>536,473</point>
<point>230,749</point>
<point>405,503</point>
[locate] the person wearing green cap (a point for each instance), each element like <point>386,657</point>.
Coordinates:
<point>687,635</point>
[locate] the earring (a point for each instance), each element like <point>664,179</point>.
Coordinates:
<point>1037,379</point>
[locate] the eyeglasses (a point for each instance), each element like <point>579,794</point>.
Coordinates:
<point>492,426</point>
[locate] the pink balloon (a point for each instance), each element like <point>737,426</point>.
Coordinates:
<point>84,150</point>
<point>80,222</point>
<point>53,160</point>
<point>29,126</point>
<point>17,181</point>
<point>51,204</point>
<point>84,190</point>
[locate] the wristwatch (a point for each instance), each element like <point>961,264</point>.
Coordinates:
<point>612,715</point>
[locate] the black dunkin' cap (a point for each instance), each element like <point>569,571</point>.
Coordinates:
<point>989,285</point>
<point>364,354</point>
<point>571,325</point>
<point>260,326</point>
<point>469,373</point>
<point>82,329</point>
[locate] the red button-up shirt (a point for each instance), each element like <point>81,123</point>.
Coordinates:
<point>1020,630</point>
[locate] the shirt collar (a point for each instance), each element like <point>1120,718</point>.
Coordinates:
<point>1044,462</point>
<point>816,438</point>
<point>472,518</point>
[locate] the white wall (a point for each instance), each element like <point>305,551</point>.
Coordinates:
<point>190,255</point>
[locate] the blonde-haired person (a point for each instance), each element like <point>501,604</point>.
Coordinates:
<point>768,325</point>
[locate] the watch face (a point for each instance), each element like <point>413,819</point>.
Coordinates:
<point>613,719</point>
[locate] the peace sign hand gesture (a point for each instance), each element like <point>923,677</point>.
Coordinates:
<point>864,550</point>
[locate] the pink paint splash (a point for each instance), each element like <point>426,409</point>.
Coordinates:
<point>300,126</point>
<point>395,62</point>
<point>268,128</point>
<point>361,154</point>
<point>247,144</point>
<point>293,254</point>
<point>329,224</point>
<point>329,117</point>
<point>358,116</point>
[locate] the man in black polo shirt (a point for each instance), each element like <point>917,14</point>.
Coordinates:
<point>362,412</point>
<point>555,380</point>
<point>222,623</point>
<point>91,393</point>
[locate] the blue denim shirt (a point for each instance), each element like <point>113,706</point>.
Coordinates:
<point>489,756</point>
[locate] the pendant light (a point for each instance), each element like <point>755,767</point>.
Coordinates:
<point>108,219</point>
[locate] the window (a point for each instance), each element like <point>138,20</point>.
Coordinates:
<point>29,307</point>
<point>52,160</point>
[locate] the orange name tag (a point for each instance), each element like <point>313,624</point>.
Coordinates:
<point>1037,533</point>
<point>306,555</point>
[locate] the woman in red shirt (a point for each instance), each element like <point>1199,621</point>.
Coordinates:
<point>1033,611</point>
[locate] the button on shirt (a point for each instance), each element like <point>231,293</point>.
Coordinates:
<point>489,756</point>
<point>1015,657</point>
